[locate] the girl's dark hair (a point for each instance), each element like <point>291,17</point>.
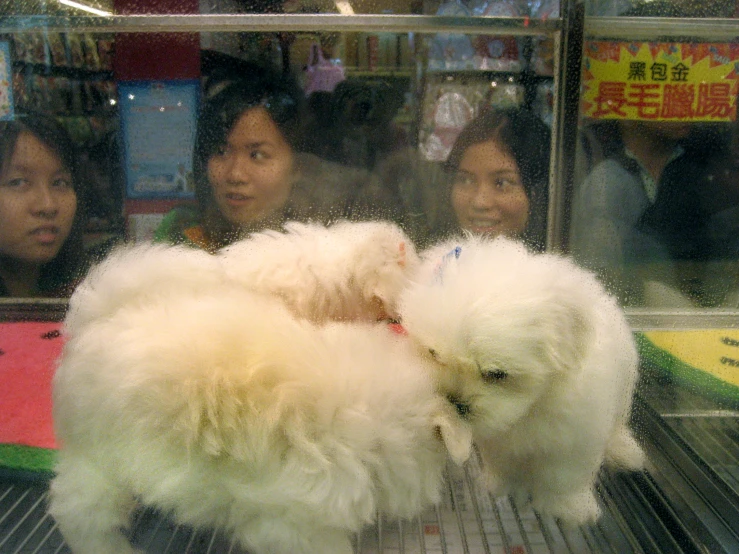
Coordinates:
<point>527,139</point>
<point>58,275</point>
<point>226,100</point>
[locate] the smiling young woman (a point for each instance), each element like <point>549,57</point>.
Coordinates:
<point>498,178</point>
<point>251,174</point>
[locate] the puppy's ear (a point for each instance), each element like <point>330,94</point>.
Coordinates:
<point>456,435</point>
<point>567,331</point>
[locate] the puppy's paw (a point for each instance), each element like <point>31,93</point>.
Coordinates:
<point>521,498</point>
<point>572,509</point>
<point>456,435</point>
<point>624,452</point>
<point>493,482</point>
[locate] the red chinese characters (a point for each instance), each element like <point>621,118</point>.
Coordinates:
<point>675,100</point>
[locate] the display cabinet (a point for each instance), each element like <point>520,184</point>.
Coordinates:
<point>686,411</point>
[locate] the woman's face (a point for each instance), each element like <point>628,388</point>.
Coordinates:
<point>37,203</point>
<point>252,175</point>
<point>488,196</point>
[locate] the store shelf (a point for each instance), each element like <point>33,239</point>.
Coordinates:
<point>62,71</point>
<point>379,73</point>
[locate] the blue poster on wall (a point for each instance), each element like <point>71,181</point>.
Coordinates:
<point>6,82</point>
<point>158,120</point>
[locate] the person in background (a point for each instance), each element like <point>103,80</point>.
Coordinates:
<point>719,197</point>
<point>41,210</point>
<point>498,179</point>
<point>637,212</point>
<point>250,174</point>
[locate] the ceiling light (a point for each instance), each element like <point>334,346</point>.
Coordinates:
<point>84,7</point>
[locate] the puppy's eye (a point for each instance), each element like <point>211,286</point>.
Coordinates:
<point>434,355</point>
<point>494,376</point>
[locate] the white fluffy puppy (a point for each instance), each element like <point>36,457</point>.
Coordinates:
<point>137,273</point>
<point>223,409</point>
<point>348,271</point>
<point>540,359</point>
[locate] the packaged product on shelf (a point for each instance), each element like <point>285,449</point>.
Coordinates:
<point>451,51</point>
<point>60,95</point>
<point>31,48</point>
<point>544,102</point>
<point>373,52</point>
<point>321,74</point>
<point>505,94</point>
<point>543,9</point>
<point>405,50</point>
<point>39,50</point>
<point>388,50</point>
<point>105,52</point>
<point>58,50</point>
<point>477,7</point>
<point>447,108</point>
<point>20,93</point>
<point>542,57</point>
<point>38,92</point>
<point>90,52</point>
<point>498,53</point>
<point>76,54</point>
<point>92,99</point>
<point>75,87</point>
<point>19,48</point>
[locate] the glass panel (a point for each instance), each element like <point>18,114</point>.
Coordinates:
<point>655,214</point>
<point>376,114</point>
<point>655,209</point>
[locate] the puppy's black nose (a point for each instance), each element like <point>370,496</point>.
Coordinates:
<point>463,409</point>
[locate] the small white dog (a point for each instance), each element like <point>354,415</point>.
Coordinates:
<point>541,361</point>
<point>220,407</point>
<point>349,271</point>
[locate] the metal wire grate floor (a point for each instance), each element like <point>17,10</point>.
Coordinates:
<point>686,502</point>
<point>468,521</point>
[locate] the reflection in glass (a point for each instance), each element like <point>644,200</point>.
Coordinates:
<point>371,119</point>
<point>654,204</point>
<point>42,209</point>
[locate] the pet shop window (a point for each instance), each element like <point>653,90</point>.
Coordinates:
<point>643,189</point>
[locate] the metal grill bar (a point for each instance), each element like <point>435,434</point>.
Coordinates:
<point>703,506</point>
<point>519,26</point>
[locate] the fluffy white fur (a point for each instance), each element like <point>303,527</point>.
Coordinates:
<point>138,274</point>
<point>542,359</point>
<point>349,271</point>
<point>222,408</point>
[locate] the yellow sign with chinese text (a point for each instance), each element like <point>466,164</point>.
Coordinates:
<point>660,81</point>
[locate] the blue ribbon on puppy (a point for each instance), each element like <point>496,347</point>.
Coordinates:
<point>439,271</point>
